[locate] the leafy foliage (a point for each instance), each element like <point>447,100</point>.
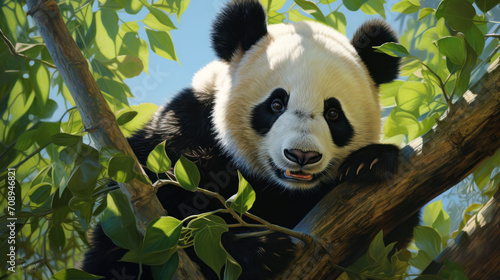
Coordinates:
<point>62,183</point>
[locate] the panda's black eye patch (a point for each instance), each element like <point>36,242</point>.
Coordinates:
<point>266,113</point>
<point>340,128</point>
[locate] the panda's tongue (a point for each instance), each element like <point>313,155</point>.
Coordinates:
<point>298,175</point>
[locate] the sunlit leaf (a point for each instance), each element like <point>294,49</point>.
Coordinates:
<point>187,174</point>
<point>158,161</point>
<point>245,197</point>
<point>161,43</point>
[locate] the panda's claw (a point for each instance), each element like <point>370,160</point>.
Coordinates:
<point>382,160</point>
<point>360,167</point>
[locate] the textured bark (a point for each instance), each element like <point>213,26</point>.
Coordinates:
<point>476,248</point>
<point>345,221</point>
<point>97,117</point>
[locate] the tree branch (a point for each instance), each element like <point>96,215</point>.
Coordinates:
<point>347,219</point>
<point>97,117</point>
<point>476,247</point>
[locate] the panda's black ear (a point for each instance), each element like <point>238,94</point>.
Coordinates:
<point>240,24</point>
<point>383,68</point>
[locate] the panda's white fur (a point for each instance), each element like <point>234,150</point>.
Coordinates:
<point>312,62</point>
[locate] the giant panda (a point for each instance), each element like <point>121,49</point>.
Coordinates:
<point>294,107</point>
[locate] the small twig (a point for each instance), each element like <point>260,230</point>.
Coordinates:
<point>13,52</point>
<point>307,239</point>
<point>441,84</point>
<point>492,36</point>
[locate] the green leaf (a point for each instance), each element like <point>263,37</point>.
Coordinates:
<point>157,19</point>
<point>388,92</point>
<point>187,174</point>
<point>207,242</point>
<point>353,5</point>
<point>42,87</point>
<point>296,16</point>
<point>425,12</point>
<point>64,139</point>
<point>106,21</point>
<point>118,222</point>
<point>337,20</point>
<point>274,17</point>
<point>128,66</point>
<point>167,270</point>
<point>376,251</point>
<point>372,7</point>
<point>60,206</point>
<point>458,13</point>
<point>245,197</point>
<point>132,45</point>
<point>153,258</point>
<point>131,6</point>
<point>427,239</point>
<point>172,6</point>
<point>161,234</point>
<point>48,110</point>
<point>442,224</point>
<point>422,260</point>
<point>130,26</point>
<point>311,8</point>
<point>73,274</point>
<point>393,49</point>
<point>486,5</point>
<point>40,193</point>
<point>145,113</point>
<point>232,270</point>
<point>161,43</point>
<point>57,239</point>
<point>475,38</point>
<point>406,7</point>
<point>411,96</point>
<point>126,117</point>
<point>431,212</point>
<point>453,48</point>
<point>84,177</point>
<point>275,5</point>
<point>158,161</point>
<point>121,168</point>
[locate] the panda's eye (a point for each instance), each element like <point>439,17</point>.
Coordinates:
<point>277,106</point>
<point>332,114</point>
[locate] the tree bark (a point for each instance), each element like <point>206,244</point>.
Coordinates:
<point>97,117</point>
<point>476,248</point>
<point>347,219</point>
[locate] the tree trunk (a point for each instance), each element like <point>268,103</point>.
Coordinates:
<point>347,219</point>
<point>97,117</point>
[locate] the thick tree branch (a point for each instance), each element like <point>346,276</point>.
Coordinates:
<point>345,221</point>
<point>476,247</point>
<point>97,117</point>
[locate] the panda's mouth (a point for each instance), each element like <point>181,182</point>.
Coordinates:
<point>297,175</point>
<point>293,175</point>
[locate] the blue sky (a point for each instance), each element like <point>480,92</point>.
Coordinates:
<point>192,45</point>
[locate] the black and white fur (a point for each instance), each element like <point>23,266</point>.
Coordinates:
<point>325,131</point>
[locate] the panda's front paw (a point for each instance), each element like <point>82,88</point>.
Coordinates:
<point>371,164</point>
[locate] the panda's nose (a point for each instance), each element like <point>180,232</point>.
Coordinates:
<point>301,157</point>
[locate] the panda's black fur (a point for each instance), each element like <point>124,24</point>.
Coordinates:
<point>186,123</point>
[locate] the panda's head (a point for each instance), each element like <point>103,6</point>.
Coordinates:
<point>296,99</point>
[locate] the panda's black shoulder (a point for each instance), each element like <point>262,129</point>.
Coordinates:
<point>185,122</point>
